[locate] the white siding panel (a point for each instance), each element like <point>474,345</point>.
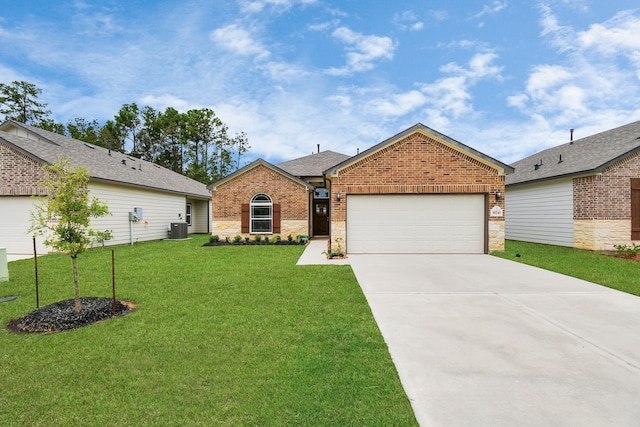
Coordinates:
<point>415,223</point>
<point>540,212</point>
<point>159,210</point>
<point>199,216</point>
<point>15,220</point>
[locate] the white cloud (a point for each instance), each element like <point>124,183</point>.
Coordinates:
<point>591,80</point>
<point>257,6</point>
<point>362,51</point>
<point>619,35</point>
<point>238,40</point>
<point>162,102</point>
<point>398,104</point>
<point>438,15</point>
<point>491,9</point>
<point>407,21</point>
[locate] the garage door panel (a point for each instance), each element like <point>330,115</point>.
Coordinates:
<point>415,223</point>
<point>15,220</point>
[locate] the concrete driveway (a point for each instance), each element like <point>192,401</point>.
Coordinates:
<point>483,341</point>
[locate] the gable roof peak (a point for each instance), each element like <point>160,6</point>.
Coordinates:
<point>419,127</point>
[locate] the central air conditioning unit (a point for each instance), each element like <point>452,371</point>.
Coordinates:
<point>178,230</point>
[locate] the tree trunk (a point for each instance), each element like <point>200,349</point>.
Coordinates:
<point>75,282</point>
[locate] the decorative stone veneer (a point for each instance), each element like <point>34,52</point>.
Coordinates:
<point>417,164</point>
<point>227,200</point>
<point>19,174</point>
<point>232,228</point>
<point>496,236</point>
<point>602,206</point>
<point>601,235</point>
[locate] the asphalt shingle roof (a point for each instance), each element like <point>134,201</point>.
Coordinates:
<point>314,164</point>
<point>589,155</point>
<point>104,166</point>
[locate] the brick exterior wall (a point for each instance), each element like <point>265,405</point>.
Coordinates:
<point>602,206</point>
<point>417,164</point>
<point>19,174</point>
<point>227,199</point>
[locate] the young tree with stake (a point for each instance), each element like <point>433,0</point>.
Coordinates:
<point>63,215</point>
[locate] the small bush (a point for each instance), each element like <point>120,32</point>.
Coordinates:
<point>237,238</point>
<point>277,239</point>
<point>258,238</point>
<point>627,250</point>
<point>266,239</point>
<point>214,238</point>
<point>227,239</point>
<point>247,239</point>
<point>290,238</point>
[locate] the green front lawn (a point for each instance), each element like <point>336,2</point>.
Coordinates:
<point>221,336</point>
<point>620,274</point>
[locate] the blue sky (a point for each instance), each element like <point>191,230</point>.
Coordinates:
<point>505,77</point>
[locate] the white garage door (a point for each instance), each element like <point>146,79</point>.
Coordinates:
<point>14,222</point>
<point>416,223</point>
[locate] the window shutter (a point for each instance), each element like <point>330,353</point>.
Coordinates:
<point>276,218</point>
<point>244,218</point>
<point>635,208</point>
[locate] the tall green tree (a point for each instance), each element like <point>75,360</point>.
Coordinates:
<point>128,121</point>
<point>85,130</point>
<point>111,136</point>
<point>19,101</point>
<point>63,216</point>
<point>52,126</point>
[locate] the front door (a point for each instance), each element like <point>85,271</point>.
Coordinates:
<point>320,217</point>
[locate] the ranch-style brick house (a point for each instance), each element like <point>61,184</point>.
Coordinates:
<point>417,192</point>
<point>583,194</point>
<point>163,197</point>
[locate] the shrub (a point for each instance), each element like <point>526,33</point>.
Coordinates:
<point>258,238</point>
<point>277,239</point>
<point>247,238</point>
<point>237,238</point>
<point>628,251</point>
<point>290,238</point>
<point>214,238</point>
<point>266,239</point>
<point>227,239</point>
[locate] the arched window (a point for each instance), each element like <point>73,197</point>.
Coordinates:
<point>261,210</point>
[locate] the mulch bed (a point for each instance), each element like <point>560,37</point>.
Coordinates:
<point>62,316</point>
<point>623,256</point>
<point>254,243</point>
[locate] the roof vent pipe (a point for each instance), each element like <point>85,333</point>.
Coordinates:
<point>571,136</point>
<point>318,148</point>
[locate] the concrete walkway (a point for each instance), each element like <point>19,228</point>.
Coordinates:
<point>313,255</point>
<point>483,341</point>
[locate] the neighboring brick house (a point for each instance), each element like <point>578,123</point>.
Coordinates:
<point>266,199</point>
<point>123,182</point>
<point>583,194</point>
<point>419,191</point>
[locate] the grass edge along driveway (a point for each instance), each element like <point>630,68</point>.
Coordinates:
<point>222,336</point>
<point>615,273</point>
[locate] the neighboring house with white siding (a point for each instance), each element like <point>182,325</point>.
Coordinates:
<point>583,194</point>
<point>122,182</point>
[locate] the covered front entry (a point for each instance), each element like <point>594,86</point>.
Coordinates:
<point>320,217</point>
<point>416,223</point>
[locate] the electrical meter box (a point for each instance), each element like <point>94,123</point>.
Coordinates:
<point>136,215</point>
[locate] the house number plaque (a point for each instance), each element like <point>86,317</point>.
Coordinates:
<point>496,211</point>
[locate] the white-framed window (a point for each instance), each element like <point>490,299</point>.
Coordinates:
<point>188,214</point>
<point>261,214</point>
